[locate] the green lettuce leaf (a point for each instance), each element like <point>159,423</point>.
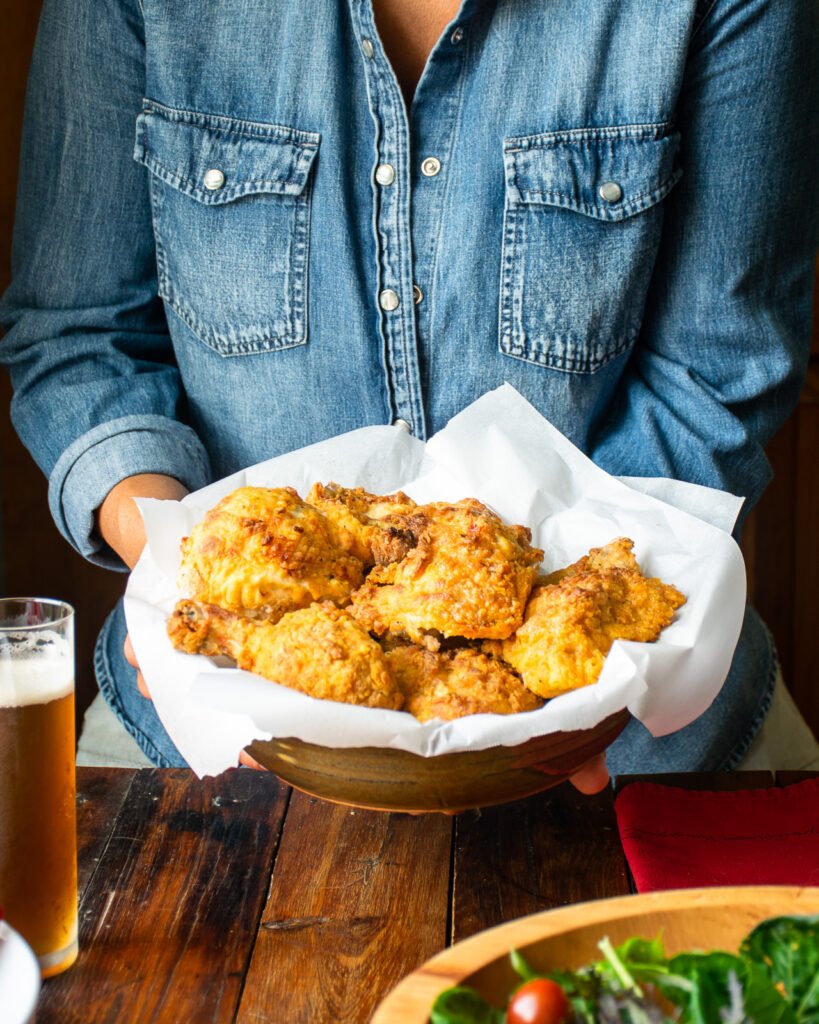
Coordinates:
<point>789,948</point>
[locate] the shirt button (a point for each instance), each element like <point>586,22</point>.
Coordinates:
<point>611,192</point>
<point>388,300</point>
<point>430,166</point>
<point>214,179</point>
<point>367,48</point>
<point>457,35</point>
<point>385,174</point>
<point>402,425</point>
<point>417,294</point>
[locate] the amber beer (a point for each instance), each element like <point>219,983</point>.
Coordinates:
<point>38,846</point>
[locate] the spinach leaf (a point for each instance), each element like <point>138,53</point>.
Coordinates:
<point>789,947</point>
<point>463,1005</point>
<point>722,987</point>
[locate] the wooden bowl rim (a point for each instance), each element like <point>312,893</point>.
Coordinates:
<point>412,998</point>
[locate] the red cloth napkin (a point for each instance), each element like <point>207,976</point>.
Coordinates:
<point>680,839</point>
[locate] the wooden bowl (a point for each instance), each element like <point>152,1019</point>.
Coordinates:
<point>394,780</point>
<point>687,919</point>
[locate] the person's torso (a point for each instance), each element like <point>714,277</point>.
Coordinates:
<point>328,262</point>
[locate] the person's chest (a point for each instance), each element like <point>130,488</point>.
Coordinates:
<point>409,29</point>
<point>305,217</point>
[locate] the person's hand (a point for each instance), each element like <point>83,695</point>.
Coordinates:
<point>119,520</point>
<point>130,657</point>
<point>592,777</point>
<point>120,523</point>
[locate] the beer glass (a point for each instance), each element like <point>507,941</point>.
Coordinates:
<point>38,835</point>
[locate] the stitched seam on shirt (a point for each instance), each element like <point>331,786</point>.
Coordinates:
<point>224,196</point>
<point>234,125</point>
<point>454,133</point>
<point>547,140</point>
<point>635,204</point>
<point>405,334</point>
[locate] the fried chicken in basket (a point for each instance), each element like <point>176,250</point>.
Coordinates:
<point>373,600</point>
<point>262,552</point>
<point>448,684</point>
<point>373,527</point>
<point>618,554</point>
<point>321,650</point>
<point>468,575</point>
<point>570,625</point>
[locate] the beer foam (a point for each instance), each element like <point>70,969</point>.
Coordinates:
<point>34,669</point>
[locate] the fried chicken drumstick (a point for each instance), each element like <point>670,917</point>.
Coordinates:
<point>321,650</point>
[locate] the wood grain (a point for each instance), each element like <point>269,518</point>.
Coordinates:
<point>359,899</point>
<point>101,793</point>
<point>168,919</point>
<point>555,848</point>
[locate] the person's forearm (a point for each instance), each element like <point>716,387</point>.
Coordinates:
<point>118,518</point>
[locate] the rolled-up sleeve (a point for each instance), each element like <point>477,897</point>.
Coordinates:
<point>97,395</point>
<point>725,339</point>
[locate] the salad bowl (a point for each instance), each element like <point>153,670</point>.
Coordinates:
<point>567,938</point>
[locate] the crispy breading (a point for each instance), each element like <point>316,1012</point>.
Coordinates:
<point>570,626</point>
<point>263,551</point>
<point>321,650</point>
<point>452,683</point>
<point>468,575</point>
<point>372,527</point>
<point>618,554</point>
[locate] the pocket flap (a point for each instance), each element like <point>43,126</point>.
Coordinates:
<point>217,159</point>
<point>605,173</point>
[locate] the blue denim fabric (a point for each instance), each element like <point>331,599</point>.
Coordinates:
<point>622,225</point>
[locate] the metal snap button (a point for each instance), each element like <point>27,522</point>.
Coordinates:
<point>402,425</point>
<point>430,166</point>
<point>417,294</point>
<point>389,300</point>
<point>367,48</point>
<point>385,174</point>
<point>457,35</point>
<point>214,179</point>
<point>610,191</point>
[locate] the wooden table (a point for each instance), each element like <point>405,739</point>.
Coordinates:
<point>238,899</point>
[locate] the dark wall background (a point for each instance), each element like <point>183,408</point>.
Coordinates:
<point>781,543</point>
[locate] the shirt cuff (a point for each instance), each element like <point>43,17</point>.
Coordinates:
<point>100,459</point>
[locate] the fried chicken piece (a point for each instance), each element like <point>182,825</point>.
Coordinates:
<point>372,527</point>
<point>618,554</point>
<point>468,575</point>
<point>263,552</point>
<point>571,625</point>
<point>321,650</point>
<point>453,683</point>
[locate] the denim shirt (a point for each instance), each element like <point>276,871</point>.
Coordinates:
<point>233,238</point>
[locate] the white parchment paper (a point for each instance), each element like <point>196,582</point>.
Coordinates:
<point>502,451</point>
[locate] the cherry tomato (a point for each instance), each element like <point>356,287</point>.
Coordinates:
<point>540,1001</point>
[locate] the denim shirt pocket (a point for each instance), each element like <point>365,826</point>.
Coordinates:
<point>231,213</point>
<point>581,230</point>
